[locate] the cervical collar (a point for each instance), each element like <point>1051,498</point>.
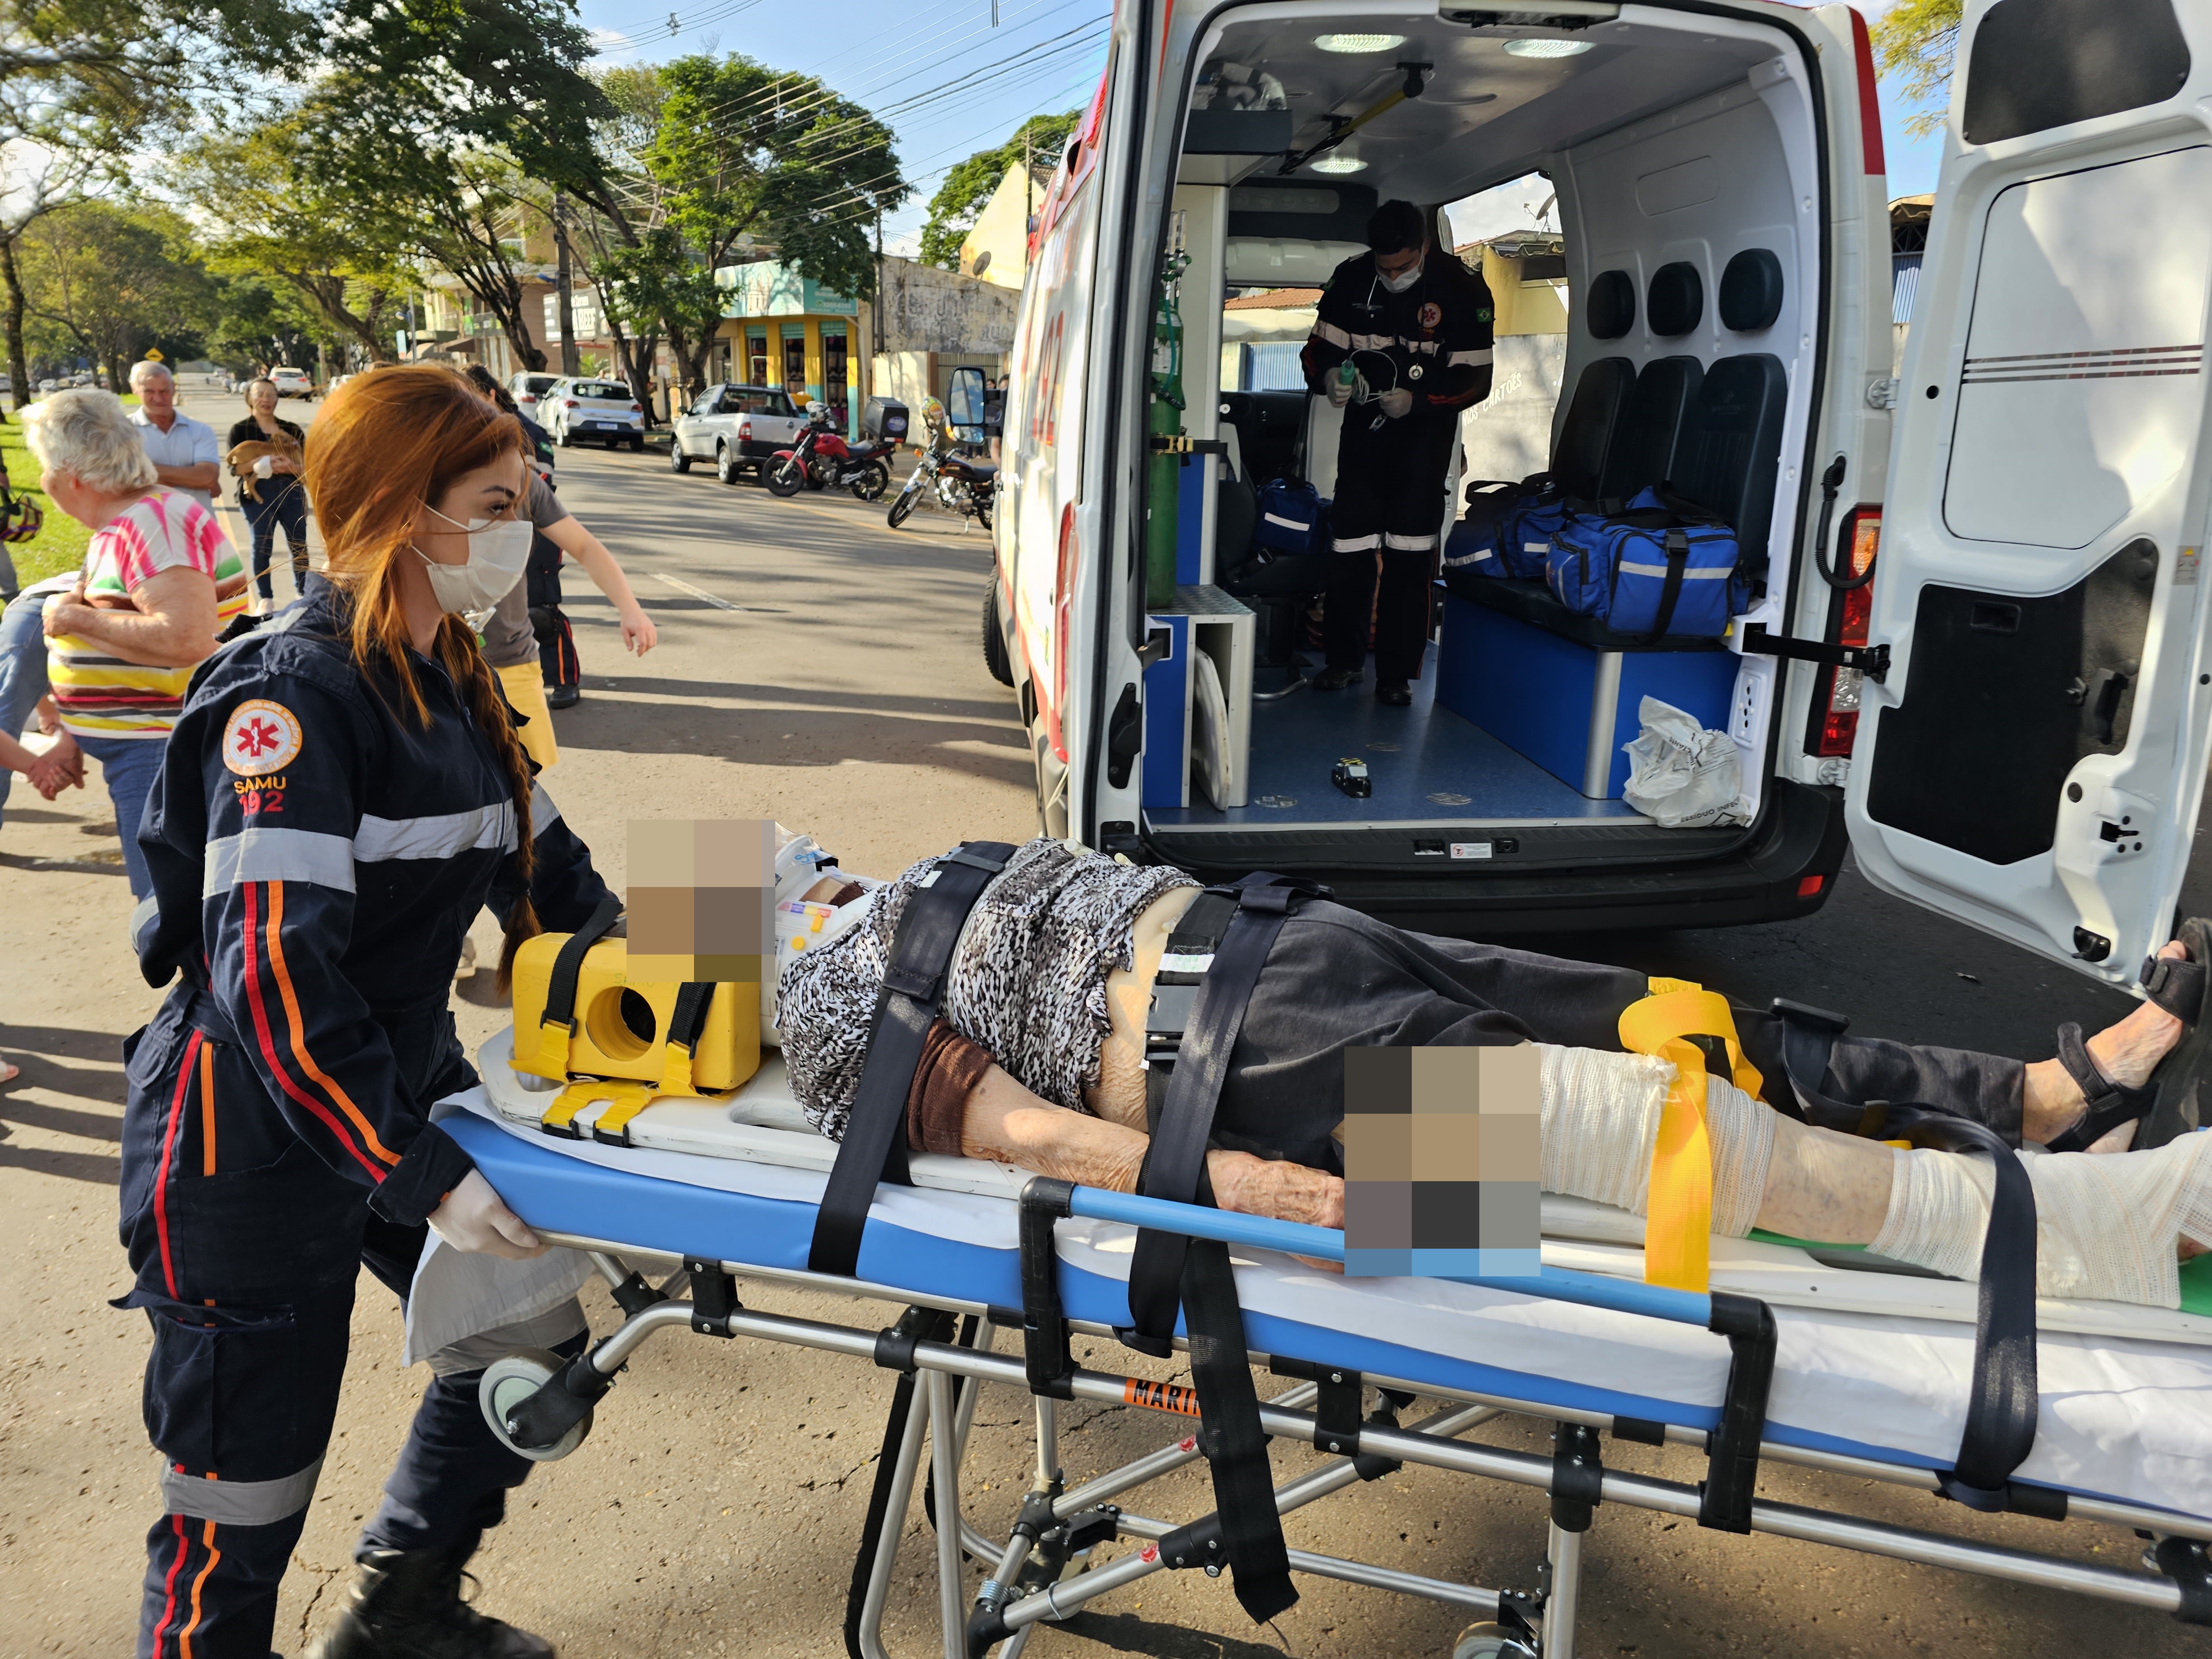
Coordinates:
<point>801,924</point>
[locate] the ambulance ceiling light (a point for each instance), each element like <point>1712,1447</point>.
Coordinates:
<point>1338,164</point>
<point>1525,46</point>
<point>1358,43</point>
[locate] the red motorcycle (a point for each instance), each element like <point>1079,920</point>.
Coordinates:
<point>822,459</point>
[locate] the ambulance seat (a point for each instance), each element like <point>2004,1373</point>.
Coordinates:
<point>1731,447</point>
<point>1650,431</point>
<point>1589,436</point>
<point>1268,427</point>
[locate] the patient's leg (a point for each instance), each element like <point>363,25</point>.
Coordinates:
<point>1006,1123</point>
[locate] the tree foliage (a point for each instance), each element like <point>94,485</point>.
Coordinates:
<point>1915,40</point>
<point>105,281</point>
<point>970,186</point>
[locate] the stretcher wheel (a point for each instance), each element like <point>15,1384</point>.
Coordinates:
<point>1488,1641</point>
<point>508,1382</point>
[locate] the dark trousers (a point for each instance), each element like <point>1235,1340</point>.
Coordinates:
<point>1337,979</point>
<point>1390,501</point>
<point>556,640</point>
<point>284,503</point>
<point>247,1248</point>
<point>1401,611</point>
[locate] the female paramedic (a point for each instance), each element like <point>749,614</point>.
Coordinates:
<point>344,791</point>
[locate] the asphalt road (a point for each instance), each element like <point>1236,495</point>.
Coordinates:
<point>816,667</point>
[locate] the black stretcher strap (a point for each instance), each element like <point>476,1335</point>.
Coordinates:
<point>874,1146</point>
<point>689,1023</point>
<point>569,964</point>
<point>2002,1399</point>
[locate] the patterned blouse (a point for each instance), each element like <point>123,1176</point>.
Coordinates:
<point>1028,979</point>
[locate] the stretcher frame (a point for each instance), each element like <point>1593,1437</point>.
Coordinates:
<point>1041,1573</point>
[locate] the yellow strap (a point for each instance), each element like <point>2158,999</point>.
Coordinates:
<point>1678,1220</point>
<point>614,1123</point>
<point>560,1117</point>
<point>676,1072</point>
<point>553,1041</point>
<point>1679,1211</point>
<point>625,1101</point>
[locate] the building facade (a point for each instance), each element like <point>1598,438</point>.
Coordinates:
<point>780,327</point>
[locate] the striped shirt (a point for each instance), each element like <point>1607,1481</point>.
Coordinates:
<point>98,694</point>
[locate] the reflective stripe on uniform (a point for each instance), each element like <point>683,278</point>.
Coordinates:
<point>1373,341</point>
<point>1357,543</point>
<point>1409,544</point>
<point>1330,334</point>
<point>276,855</point>
<point>148,912</point>
<point>439,836</point>
<point>239,1503</point>
<point>1468,359</point>
<point>544,813</point>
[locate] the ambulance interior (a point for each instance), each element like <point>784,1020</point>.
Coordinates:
<point>1656,325</point>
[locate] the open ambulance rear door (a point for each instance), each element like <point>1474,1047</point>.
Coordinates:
<point>2034,760</point>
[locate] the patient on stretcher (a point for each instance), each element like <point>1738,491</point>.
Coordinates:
<point>1037,1060</point>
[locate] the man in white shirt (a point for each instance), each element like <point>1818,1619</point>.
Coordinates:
<point>183,451</point>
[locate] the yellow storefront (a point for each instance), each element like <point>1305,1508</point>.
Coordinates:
<point>780,328</point>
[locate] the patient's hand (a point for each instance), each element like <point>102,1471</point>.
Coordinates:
<point>1288,1192</point>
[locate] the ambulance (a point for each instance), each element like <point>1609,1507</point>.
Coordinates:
<point>1973,648</point>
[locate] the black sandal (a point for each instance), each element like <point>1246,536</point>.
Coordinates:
<point>2178,1086</point>
<point>2108,1105</point>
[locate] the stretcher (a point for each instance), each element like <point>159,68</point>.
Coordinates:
<point>1860,1373</point>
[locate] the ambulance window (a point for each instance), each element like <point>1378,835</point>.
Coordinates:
<point>2043,64</point>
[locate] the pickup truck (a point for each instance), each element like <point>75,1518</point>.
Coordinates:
<point>738,428</point>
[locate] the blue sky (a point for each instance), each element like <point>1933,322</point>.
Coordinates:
<point>899,59</point>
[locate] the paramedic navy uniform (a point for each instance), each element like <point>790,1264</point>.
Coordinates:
<point>317,858</point>
<point>1433,340</point>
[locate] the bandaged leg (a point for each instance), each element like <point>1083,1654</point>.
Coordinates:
<point>2106,1226</point>
<point>1601,1120</point>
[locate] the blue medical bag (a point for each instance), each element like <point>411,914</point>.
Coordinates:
<point>1508,528</point>
<point>1293,518</point>
<point>1661,566</point>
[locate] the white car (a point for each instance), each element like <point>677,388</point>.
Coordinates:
<point>603,411</point>
<point>738,428</point>
<point>526,389</point>
<point>293,382</point>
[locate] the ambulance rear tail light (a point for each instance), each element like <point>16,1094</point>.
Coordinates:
<point>1836,693</point>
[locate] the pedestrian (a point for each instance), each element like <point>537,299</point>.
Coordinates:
<point>342,793</point>
<point>1400,342</point>
<point>183,450</point>
<point>270,493</point>
<point>159,583</point>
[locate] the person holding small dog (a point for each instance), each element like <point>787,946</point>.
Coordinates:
<point>265,454</point>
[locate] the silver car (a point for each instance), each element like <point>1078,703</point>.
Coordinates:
<point>738,428</point>
<point>604,411</point>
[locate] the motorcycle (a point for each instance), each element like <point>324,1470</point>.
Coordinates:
<point>962,486</point>
<point>822,459</point>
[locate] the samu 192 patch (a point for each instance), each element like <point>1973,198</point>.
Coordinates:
<point>1432,315</point>
<point>262,737</point>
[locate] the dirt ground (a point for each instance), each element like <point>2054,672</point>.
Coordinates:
<point>818,669</point>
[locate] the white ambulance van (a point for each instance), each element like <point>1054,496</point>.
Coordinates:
<point>1974,650</point>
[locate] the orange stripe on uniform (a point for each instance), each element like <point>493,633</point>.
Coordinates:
<point>207,1108</point>
<point>337,1095</point>
<point>184,1635</point>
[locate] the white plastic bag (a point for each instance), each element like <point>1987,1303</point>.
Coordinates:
<point>1681,775</point>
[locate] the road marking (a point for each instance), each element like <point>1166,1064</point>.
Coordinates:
<point>701,593</point>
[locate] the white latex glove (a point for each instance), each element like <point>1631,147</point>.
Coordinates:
<point>265,466</point>
<point>1395,401</point>
<point>1339,393</point>
<point>473,1218</point>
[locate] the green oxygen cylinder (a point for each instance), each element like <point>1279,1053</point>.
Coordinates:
<point>1164,468</point>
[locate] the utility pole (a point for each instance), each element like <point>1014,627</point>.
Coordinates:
<point>567,303</point>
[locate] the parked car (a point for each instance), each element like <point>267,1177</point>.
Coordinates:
<point>605,411</point>
<point>293,382</point>
<point>738,428</point>
<point>48,385</point>
<point>527,388</point>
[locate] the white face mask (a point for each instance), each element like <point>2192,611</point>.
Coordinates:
<point>1404,280</point>
<point>499,549</point>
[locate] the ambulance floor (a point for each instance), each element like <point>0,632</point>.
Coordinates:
<point>1427,766</point>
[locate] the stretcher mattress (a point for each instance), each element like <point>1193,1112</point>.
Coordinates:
<point>2126,1402</point>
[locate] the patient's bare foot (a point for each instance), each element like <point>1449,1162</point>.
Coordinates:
<point>1270,1187</point>
<point>2127,1052</point>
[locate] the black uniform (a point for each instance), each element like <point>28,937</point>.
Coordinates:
<point>1434,341</point>
<point>316,857</point>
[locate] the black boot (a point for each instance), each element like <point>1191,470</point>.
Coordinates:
<point>406,1604</point>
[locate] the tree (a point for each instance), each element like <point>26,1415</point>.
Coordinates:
<point>260,325</point>
<point>275,221</point>
<point>112,279</point>
<point>1915,40</point>
<point>969,187</point>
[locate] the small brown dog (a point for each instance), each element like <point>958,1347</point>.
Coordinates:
<point>243,456</point>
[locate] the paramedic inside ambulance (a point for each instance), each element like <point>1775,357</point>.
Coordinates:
<point>1401,345</point>
<point>343,792</point>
